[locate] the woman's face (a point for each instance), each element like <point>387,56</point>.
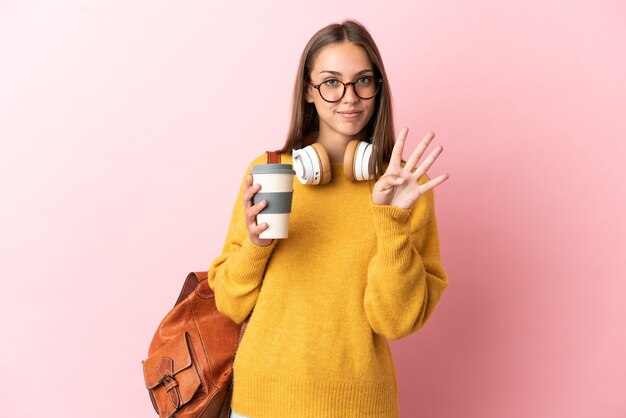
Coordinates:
<point>347,118</point>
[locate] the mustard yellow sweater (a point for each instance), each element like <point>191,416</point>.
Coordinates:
<point>351,276</point>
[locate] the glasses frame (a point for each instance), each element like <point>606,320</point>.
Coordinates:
<point>378,80</point>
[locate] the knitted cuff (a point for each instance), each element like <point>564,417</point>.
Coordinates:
<point>253,260</point>
<point>392,226</point>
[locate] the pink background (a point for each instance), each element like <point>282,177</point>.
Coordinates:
<point>126,127</point>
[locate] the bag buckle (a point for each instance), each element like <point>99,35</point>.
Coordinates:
<point>169,382</point>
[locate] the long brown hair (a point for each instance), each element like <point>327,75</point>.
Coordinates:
<point>304,118</point>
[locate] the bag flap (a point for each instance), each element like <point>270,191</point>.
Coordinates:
<point>170,359</point>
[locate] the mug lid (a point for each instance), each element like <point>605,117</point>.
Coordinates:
<point>272,169</point>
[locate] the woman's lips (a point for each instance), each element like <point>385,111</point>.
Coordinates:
<point>350,114</point>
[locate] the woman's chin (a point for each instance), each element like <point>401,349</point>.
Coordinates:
<point>348,130</point>
<point>352,131</point>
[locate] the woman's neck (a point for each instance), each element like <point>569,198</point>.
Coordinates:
<point>335,144</point>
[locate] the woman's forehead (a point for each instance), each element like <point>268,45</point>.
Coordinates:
<point>343,58</point>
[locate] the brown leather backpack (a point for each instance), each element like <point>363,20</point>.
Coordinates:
<point>188,372</point>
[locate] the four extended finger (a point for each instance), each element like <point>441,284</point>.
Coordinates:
<point>398,147</point>
<point>425,165</point>
<point>432,183</point>
<point>418,151</point>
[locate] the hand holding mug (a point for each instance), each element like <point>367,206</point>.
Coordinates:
<point>252,210</point>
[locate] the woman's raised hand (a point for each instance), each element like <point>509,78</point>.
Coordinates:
<point>399,185</point>
<point>251,211</point>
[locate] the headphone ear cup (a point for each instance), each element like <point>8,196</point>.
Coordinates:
<point>349,158</point>
<point>356,160</point>
<point>324,162</point>
<point>312,164</point>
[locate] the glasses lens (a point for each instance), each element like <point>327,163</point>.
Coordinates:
<point>366,87</point>
<point>331,90</point>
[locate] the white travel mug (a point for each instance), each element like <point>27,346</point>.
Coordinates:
<point>276,182</point>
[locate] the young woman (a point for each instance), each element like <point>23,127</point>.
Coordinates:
<point>361,265</point>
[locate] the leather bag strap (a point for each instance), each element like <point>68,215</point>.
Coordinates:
<point>273,157</point>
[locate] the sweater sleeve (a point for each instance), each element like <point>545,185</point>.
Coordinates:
<point>237,273</point>
<point>405,278</point>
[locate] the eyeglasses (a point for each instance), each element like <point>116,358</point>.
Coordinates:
<point>333,90</point>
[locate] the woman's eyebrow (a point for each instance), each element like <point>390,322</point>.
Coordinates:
<point>337,73</point>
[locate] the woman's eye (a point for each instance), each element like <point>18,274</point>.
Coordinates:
<point>331,83</point>
<point>364,80</point>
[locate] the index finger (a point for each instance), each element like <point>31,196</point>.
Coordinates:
<point>398,147</point>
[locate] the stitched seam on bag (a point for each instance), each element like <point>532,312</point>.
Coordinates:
<point>195,321</point>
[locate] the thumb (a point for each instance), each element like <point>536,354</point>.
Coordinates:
<point>390,181</point>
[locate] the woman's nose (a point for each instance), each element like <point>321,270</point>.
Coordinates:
<point>350,95</point>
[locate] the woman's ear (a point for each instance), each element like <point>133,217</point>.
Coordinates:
<point>307,94</point>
